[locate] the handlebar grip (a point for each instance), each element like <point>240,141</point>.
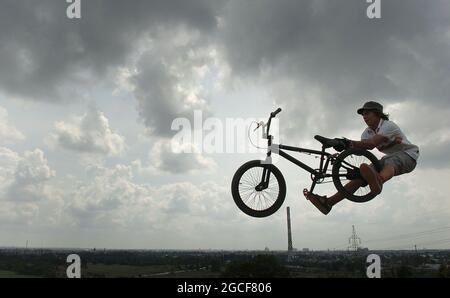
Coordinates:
<point>276,112</point>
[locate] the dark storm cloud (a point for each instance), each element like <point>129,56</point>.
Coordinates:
<point>44,56</point>
<point>320,59</point>
<point>325,42</point>
<point>166,83</point>
<point>335,45</point>
<point>325,58</point>
<point>435,155</point>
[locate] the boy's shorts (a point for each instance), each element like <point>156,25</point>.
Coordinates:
<point>402,162</point>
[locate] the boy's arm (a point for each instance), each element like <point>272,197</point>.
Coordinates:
<point>369,144</point>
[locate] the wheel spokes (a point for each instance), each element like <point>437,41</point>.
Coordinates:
<point>258,200</point>
<point>348,165</point>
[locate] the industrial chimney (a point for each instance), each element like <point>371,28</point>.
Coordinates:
<point>290,248</point>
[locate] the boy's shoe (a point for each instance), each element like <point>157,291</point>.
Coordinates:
<point>319,201</point>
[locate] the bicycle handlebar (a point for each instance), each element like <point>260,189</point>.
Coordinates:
<point>273,114</point>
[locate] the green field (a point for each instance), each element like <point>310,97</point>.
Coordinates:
<point>12,274</point>
<point>102,270</point>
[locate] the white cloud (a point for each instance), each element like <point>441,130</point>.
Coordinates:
<point>111,199</point>
<point>19,214</point>
<point>25,188</point>
<point>30,177</point>
<point>8,133</point>
<point>90,133</point>
<point>107,198</point>
<point>163,158</point>
<point>8,164</point>
<point>170,157</point>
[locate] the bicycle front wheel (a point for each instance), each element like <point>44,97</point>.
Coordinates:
<point>250,200</point>
<point>346,168</point>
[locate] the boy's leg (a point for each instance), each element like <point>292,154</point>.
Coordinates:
<point>351,187</point>
<point>372,177</point>
<point>386,173</point>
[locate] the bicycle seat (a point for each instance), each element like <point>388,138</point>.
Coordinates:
<point>326,142</point>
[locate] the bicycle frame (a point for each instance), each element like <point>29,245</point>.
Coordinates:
<point>317,175</point>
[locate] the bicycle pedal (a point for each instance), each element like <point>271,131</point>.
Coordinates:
<point>305,193</point>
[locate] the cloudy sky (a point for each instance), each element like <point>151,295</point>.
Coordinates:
<point>87,105</point>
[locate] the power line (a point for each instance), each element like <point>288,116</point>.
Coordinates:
<point>400,237</point>
<point>410,235</point>
<point>441,241</point>
<point>422,215</point>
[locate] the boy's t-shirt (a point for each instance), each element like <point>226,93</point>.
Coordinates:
<point>391,131</point>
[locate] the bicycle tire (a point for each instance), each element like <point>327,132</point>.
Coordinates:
<point>338,165</point>
<point>237,183</point>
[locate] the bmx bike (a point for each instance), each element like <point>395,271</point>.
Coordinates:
<point>259,189</point>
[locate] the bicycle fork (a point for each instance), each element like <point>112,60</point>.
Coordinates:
<point>264,184</point>
<point>264,180</point>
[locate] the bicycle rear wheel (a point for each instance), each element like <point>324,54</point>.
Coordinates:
<point>253,202</point>
<point>346,168</point>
